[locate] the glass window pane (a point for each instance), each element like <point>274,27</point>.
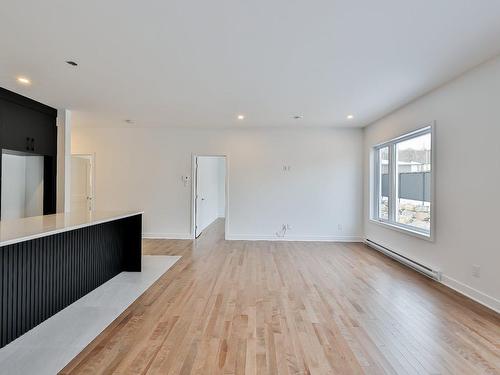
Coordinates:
<point>413,182</point>
<point>383,181</point>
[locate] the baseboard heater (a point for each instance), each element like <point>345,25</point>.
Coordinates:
<point>429,272</point>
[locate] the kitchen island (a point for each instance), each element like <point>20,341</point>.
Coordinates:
<point>48,262</point>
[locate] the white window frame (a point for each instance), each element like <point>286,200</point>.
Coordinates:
<point>375,186</point>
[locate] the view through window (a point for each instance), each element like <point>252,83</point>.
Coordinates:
<point>403,181</point>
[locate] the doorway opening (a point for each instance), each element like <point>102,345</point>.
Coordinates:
<point>82,182</point>
<point>209,191</point>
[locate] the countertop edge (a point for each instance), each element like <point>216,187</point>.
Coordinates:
<point>67,229</point>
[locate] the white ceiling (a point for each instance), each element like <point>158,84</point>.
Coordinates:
<point>200,63</point>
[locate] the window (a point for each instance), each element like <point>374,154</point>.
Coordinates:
<point>402,195</point>
<point>383,188</point>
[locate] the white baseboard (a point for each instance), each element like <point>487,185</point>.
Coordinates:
<point>474,294</point>
<point>256,237</point>
<point>167,236</point>
<point>247,237</point>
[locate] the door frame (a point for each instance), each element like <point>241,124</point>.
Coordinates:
<point>91,157</point>
<point>194,158</point>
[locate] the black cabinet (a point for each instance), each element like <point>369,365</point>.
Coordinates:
<point>27,130</point>
<point>28,126</point>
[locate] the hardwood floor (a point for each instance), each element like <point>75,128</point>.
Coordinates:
<point>235,307</point>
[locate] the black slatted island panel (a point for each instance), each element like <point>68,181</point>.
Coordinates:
<point>41,276</point>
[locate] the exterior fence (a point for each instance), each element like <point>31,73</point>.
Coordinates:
<point>412,185</point>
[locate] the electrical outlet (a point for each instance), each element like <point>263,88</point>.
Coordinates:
<point>476,270</point>
<point>339,227</point>
<point>282,232</point>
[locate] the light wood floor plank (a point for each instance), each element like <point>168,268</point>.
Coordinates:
<point>236,307</point>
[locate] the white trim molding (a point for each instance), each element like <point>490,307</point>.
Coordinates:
<point>474,294</point>
<point>249,237</point>
<point>306,238</point>
<point>63,122</point>
<point>167,236</point>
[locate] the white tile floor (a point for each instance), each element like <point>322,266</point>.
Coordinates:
<point>48,347</point>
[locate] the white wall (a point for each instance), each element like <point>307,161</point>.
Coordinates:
<point>141,168</point>
<point>209,186</point>
<point>63,200</point>
<point>467,115</point>
<point>222,187</point>
<point>22,190</point>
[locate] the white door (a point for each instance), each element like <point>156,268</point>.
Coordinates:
<point>198,199</point>
<point>209,191</point>
<point>81,183</point>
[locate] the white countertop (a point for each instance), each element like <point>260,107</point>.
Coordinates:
<point>19,230</point>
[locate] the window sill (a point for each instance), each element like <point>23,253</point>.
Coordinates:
<point>414,233</point>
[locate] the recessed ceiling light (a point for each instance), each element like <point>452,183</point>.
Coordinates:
<point>350,117</point>
<point>24,80</point>
<point>241,117</point>
<point>72,63</point>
